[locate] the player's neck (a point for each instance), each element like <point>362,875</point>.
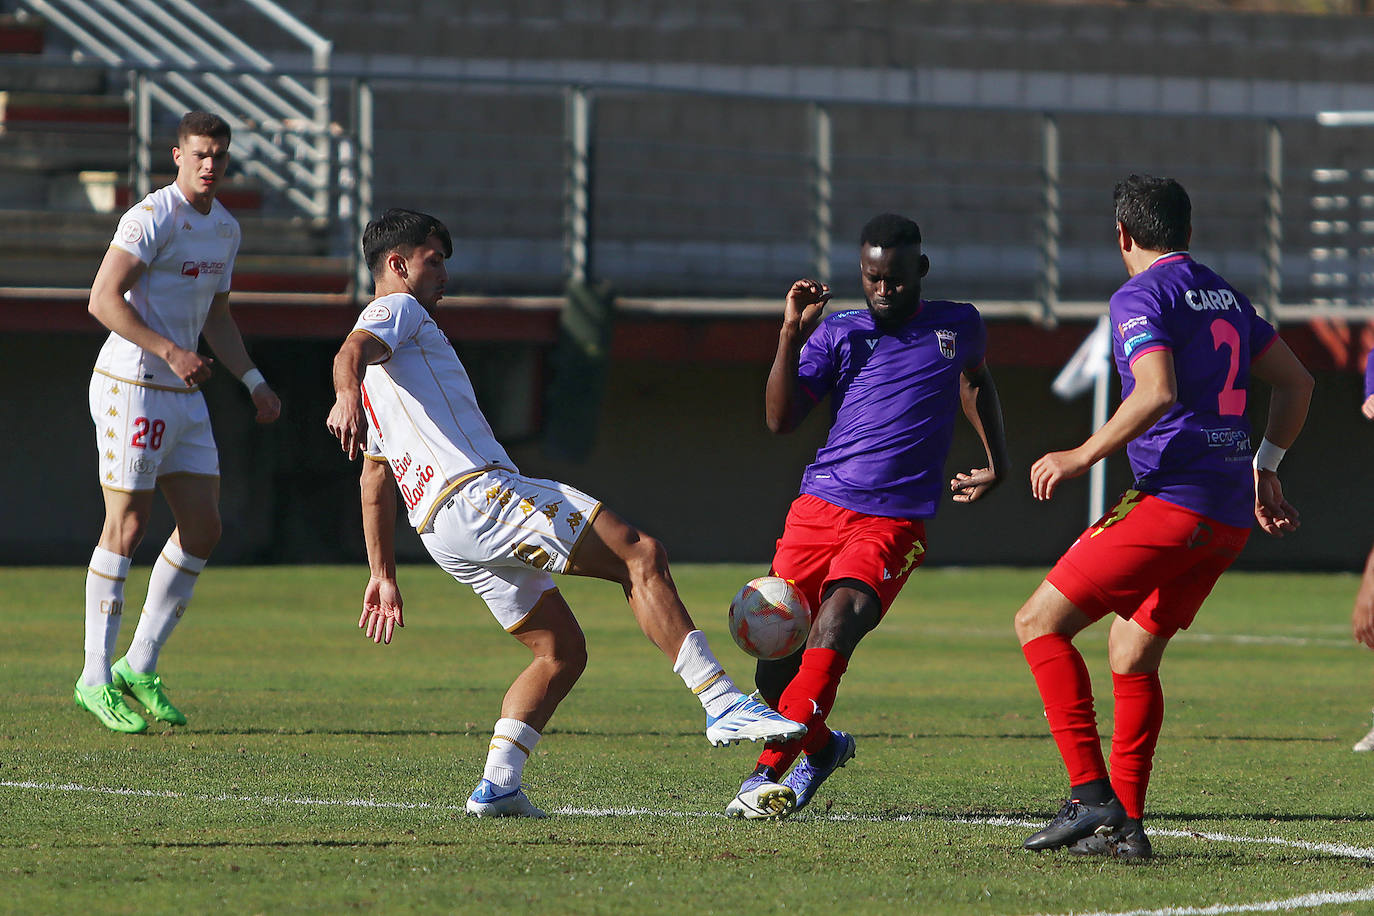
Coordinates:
<point>201,203</point>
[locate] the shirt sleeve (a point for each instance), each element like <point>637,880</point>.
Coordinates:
<point>139,231</point>
<point>816,367</point>
<point>1137,325</point>
<point>976,353</point>
<point>372,451</point>
<point>1369,375</point>
<point>393,320</point>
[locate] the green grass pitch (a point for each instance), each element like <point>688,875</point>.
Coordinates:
<point>323,774</point>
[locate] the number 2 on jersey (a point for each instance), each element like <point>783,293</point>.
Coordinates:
<point>148,434</point>
<point>1231,400</point>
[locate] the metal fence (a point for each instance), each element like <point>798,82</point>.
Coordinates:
<point>693,197</point>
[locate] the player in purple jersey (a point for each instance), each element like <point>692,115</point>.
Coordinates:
<point>1362,617</point>
<point>1185,343</point>
<point>896,373</point>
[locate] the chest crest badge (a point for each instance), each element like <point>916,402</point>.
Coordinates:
<point>946,339</point>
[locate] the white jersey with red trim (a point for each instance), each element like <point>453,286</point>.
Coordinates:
<point>422,413</point>
<point>189,258</point>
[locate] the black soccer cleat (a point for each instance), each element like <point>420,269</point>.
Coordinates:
<point>1127,842</point>
<point>1076,821</point>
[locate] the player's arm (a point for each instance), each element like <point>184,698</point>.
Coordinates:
<point>221,332</point>
<point>983,408</point>
<point>1288,403</point>
<point>346,420</point>
<point>1156,390</point>
<point>785,404</point>
<point>1362,618</point>
<point>382,597</point>
<point>118,273</point>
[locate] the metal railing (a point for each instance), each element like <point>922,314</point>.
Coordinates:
<point>281,124</point>
<point>716,200</point>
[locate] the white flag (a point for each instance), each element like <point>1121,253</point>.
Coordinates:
<point>1089,362</point>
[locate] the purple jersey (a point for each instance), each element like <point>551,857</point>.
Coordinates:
<point>893,400</point>
<point>1198,454</point>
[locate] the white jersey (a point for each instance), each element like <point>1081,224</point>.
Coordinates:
<point>189,258</point>
<point>422,413</point>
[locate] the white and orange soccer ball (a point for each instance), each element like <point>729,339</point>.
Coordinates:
<point>769,618</point>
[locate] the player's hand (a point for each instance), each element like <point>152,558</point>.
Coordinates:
<point>1367,408</point>
<point>267,403</point>
<point>805,302</point>
<point>347,424</point>
<point>1054,468</point>
<point>190,366</point>
<point>381,610</point>
<point>1362,618</point>
<point>974,485</point>
<point>1275,514</point>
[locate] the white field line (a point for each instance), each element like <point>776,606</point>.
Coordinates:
<point>1268,906</point>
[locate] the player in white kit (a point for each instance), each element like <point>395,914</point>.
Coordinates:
<point>163,283</point>
<point>405,401</point>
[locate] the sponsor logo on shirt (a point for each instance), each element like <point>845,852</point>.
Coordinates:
<point>1129,323</point>
<point>1236,439</point>
<point>946,339</point>
<point>376,313</point>
<point>1132,343</point>
<point>1205,300</point>
<point>419,477</point>
<point>196,268</point>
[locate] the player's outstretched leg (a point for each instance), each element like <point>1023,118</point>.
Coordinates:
<point>1127,842</point>
<point>148,690</point>
<point>615,550</point>
<point>106,703</point>
<point>760,796</point>
<point>1366,743</point>
<point>813,769</point>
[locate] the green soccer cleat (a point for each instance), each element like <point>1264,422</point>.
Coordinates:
<point>147,689</point>
<point>106,703</point>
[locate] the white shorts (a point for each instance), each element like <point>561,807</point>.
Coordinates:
<point>504,534</point>
<point>146,433</point>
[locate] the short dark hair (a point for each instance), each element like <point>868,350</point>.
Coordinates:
<point>202,124</point>
<point>889,230</point>
<point>1155,211</point>
<point>403,231</point>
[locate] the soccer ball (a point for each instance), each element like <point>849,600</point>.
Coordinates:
<point>769,618</point>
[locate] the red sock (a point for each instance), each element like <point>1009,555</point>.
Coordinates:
<point>1139,715</point>
<point>807,700</point>
<point>1067,692</point>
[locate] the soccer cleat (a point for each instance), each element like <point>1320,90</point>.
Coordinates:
<point>1127,842</point>
<point>488,801</point>
<point>105,702</point>
<point>748,719</point>
<point>148,690</point>
<point>759,797</point>
<point>1366,743</point>
<point>1075,821</point>
<point>813,769</point>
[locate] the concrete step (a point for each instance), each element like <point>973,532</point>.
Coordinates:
<point>109,192</point>
<point>53,149</point>
<point>33,108</point>
<point>21,35</point>
<point>252,273</point>
<point>19,72</point>
<point>75,232</point>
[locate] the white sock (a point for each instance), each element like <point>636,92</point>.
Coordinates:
<point>104,611</point>
<point>697,666</point>
<point>511,745</point>
<point>169,594</point>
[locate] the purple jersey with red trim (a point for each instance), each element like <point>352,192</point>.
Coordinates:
<point>1198,454</point>
<point>893,400</point>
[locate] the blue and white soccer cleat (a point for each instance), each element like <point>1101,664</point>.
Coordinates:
<point>749,720</point>
<point>488,801</point>
<point>759,797</point>
<point>813,769</point>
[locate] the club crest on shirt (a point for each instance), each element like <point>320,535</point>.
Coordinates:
<point>376,313</point>
<point>946,339</point>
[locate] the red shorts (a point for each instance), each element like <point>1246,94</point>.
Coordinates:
<point>822,543</point>
<point>1149,561</point>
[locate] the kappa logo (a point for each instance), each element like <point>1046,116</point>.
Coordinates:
<point>946,338</point>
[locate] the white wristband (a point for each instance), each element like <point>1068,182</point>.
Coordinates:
<point>1268,456</point>
<point>252,379</point>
